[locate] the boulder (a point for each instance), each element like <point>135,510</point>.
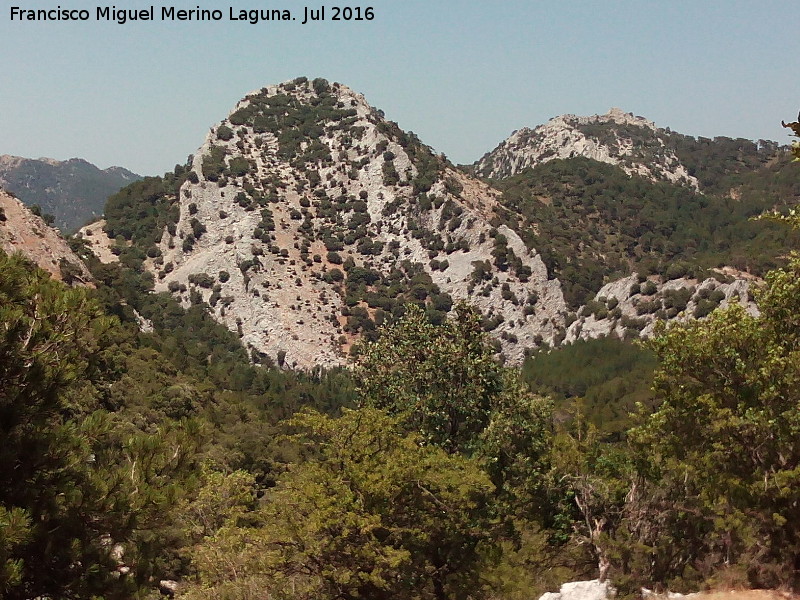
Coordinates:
<point>582,590</point>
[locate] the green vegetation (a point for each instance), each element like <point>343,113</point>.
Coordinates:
<point>72,191</point>
<point>76,480</point>
<point>390,296</point>
<point>295,121</point>
<point>600,380</point>
<point>593,222</point>
<point>373,514</point>
<point>429,470</point>
<point>449,476</point>
<point>140,212</point>
<point>381,505</point>
<point>724,439</point>
<point>710,161</point>
<point>224,133</point>
<point>109,426</point>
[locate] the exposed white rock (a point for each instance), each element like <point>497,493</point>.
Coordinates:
<point>566,136</point>
<point>278,286</point>
<point>625,307</point>
<point>168,587</point>
<point>279,299</point>
<point>582,590</point>
<point>98,241</point>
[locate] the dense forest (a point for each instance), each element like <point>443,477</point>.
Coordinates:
<point>143,446</point>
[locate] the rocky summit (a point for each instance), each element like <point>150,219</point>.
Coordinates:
<point>308,219</point>
<point>617,138</point>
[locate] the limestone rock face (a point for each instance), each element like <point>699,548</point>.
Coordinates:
<point>98,241</point>
<point>306,210</point>
<point>629,307</point>
<point>22,231</point>
<point>582,590</point>
<point>617,138</point>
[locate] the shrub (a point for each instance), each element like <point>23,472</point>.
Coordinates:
<point>198,229</point>
<point>204,280</point>
<point>390,176</point>
<point>214,163</point>
<point>649,288</point>
<point>334,276</point>
<point>224,133</point>
<point>239,166</point>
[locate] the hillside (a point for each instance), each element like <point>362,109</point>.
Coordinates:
<point>605,196</point>
<point>24,232</point>
<point>306,218</point>
<point>631,142</point>
<point>73,191</point>
<point>160,444</point>
<point>595,223</point>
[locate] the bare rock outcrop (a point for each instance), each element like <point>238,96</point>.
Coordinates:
<point>307,213</point>
<point>582,590</point>
<point>618,138</point>
<point>631,306</point>
<point>24,232</point>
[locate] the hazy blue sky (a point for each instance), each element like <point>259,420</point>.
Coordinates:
<point>462,75</point>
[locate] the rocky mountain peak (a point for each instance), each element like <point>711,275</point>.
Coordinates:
<point>308,219</point>
<point>617,137</point>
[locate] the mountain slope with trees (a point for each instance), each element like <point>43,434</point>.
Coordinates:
<point>307,219</point>
<point>629,220</point>
<point>73,191</point>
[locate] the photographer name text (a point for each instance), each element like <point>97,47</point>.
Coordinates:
<point>121,16</point>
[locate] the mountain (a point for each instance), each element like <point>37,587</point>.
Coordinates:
<point>24,232</point>
<point>605,196</point>
<point>73,191</point>
<point>631,142</point>
<point>307,219</point>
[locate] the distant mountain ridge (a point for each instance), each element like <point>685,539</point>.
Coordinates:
<point>73,191</point>
<point>619,138</point>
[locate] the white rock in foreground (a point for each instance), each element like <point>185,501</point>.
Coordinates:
<point>582,590</point>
